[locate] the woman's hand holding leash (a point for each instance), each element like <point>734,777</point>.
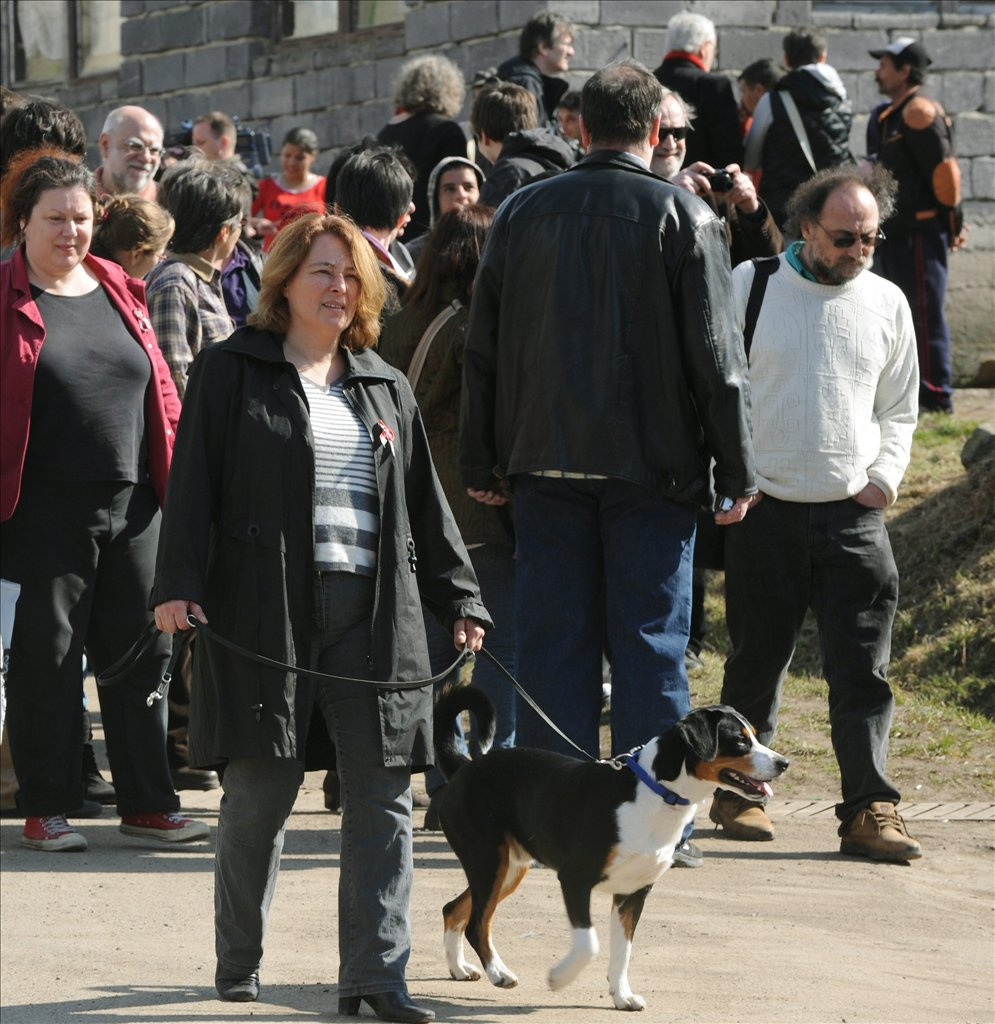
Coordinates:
<point>171,616</point>
<point>468,633</point>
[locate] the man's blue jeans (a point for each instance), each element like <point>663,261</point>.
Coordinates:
<point>600,563</point>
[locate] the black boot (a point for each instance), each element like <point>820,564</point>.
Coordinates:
<point>95,787</point>
<point>390,1006</point>
<point>333,792</point>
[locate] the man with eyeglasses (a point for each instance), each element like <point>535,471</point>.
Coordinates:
<point>749,225</point>
<point>834,386</point>
<point>130,150</point>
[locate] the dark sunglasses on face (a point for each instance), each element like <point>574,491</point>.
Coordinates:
<point>847,240</point>
<point>678,133</point>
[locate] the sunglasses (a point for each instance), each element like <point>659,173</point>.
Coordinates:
<point>845,240</point>
<point>678,133</point>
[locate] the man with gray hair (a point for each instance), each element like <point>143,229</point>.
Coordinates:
<point>602,371</point>
<point>687,69</point>
<point>544,51</point>
<point>834,385</point>
<point>130,151</point>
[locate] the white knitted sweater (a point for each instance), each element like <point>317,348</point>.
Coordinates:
<point>835,385</point>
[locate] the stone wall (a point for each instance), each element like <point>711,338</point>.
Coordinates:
<point>182,58</point>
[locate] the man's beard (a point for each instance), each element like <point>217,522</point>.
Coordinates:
<point>132,180</point>
<point>839,273</point>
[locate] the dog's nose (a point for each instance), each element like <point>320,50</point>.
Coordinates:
<point>782,764</point>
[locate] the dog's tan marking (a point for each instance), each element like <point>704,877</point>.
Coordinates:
<point>709,770</point>
<point>456,913</point>
<point>627,918</point>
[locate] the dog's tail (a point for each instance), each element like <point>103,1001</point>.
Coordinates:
<point>452,701</point>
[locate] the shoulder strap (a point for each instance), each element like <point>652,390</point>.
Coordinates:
<point>421,352</point>
<point>763,268</point>
<point>799,129</point>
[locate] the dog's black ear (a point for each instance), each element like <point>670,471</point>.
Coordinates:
<point>700,730</point>
<point>694,738</point>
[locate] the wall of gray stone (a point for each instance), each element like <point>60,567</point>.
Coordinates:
<point>182,58</point>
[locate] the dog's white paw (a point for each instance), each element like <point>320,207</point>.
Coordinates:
<point>628,1001</point>
<point>460,969</point>
<point>498,974</point>
<point>582,951</point>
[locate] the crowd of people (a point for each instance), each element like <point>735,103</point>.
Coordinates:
<point>519,380</point>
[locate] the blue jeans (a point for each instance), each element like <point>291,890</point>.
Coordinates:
<point>835,558</point>
<point>376,857</point>
<point>495,569</point>
<point>601,561</point>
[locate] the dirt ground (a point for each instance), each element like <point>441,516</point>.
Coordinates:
<point>787,931</point>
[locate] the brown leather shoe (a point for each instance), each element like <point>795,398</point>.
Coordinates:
<point>878,832</point>
<point>741,818</point>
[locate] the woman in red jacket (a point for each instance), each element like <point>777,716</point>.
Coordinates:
<point>89,414</point>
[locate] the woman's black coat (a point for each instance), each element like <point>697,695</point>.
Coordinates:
<point>238,538</point>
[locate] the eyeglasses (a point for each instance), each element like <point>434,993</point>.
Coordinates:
<point>678,133</point>
<point>136,146</point>
<point>846,240</point>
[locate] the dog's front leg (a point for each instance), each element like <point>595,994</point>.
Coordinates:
<point>624,918</point>
<point>584,944</point>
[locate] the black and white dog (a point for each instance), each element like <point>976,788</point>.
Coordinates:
<point>610,826</point>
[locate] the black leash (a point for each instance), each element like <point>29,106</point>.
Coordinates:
<point>523,693</point>
<point>116,672</point>
<point>120,668</point>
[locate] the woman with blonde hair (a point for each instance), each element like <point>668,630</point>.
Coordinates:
<point>305,521</point>
<point>428,94</point>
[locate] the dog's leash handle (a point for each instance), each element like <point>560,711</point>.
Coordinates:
<point>167,677</point>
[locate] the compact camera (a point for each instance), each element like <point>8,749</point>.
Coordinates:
<point>721,181</point>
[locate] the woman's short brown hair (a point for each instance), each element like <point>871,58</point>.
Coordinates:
<point>289,251</point>
<point>127,222</point>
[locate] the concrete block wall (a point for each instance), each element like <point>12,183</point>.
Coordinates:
<point>182,57</point>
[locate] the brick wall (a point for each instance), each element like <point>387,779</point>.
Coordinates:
<point>182,58</point>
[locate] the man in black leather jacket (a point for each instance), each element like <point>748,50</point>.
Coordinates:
<point>603,369</point>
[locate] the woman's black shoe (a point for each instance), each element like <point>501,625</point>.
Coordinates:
<point>238,990</point>
<point>391,1006</point>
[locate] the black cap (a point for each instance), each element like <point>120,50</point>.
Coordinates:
<point>905,50</point>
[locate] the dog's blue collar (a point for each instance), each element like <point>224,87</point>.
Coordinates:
<point>667,795</point>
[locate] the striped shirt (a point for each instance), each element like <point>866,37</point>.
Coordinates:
<point>347,507</point>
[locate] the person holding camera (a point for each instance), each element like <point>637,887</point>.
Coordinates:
<point>751,233</point>
<point>750,227</point>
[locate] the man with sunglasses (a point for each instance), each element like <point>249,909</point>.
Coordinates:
<point>130,150</point>
<point>834,387</point>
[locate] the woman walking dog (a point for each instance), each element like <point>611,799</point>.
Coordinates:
<point>304,519</point>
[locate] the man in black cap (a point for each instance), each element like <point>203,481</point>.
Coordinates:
<point>911,135</point>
